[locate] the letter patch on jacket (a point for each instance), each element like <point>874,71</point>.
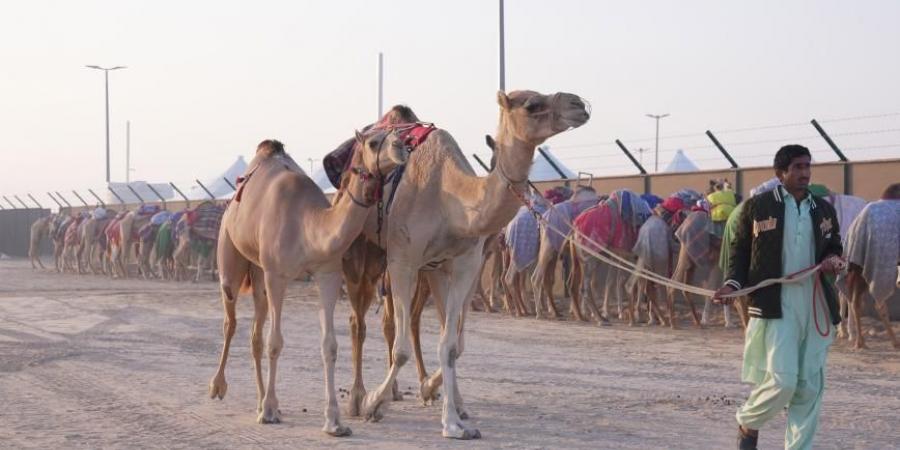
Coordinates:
<point>825,226</point>
<point>760,226</point>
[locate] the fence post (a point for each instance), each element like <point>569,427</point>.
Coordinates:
<point>117,196</point>
<point>480,162</point>
<point>848,175</point>
<point>10,202</point>
<point>35,201</point>
<point>2,208</point>
<point>229,184</point>
<point>135,193</point>
<point>63,199</point>
<point>562,175</point>
<point>212,197</point>
<point>54,200</point>
<point>82,200</point>
<point>647,186</point>
<point>20,201</point>
<point>157,194</point>
<point>738,174</point>
<point>97,197</point>
<point>187,203</point>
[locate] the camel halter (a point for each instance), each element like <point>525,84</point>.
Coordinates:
<point>365,176</point>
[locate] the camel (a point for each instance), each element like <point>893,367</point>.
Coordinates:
<point>698,255</point>
<point>129,225</point>
<point>113,233</point>
<point>873,253</point>
<point>57,232</point>
<point>72,244</point>
<point>39,230</point>
<point>93,239</point>
<point>560,216</point>
<point>165,247</point>
<point>523,235</point>
<point>492,266</point>
<point>613,224</point>
<point>654,248</point>
<point>280,226</point>
<point>438,222</point>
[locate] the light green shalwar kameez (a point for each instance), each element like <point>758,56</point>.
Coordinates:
<point>785,358</point>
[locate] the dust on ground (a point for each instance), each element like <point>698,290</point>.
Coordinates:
<point>90,362</point>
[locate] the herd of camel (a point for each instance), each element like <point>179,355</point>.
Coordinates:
<point>410,218</point>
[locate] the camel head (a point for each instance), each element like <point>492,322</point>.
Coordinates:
<point>533,117</point>
<point>381,151</point>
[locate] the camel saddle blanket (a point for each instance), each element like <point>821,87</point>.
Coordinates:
<point>600,225</point>
<point>560,216</point>
<point>523,238</point>
<point>207,218</point>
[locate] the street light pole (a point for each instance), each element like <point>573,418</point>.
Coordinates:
<point>657,117</point>
<point>106,71</point>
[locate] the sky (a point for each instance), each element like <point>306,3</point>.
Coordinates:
<point>208,80</point>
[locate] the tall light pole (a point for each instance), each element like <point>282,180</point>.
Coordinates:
<point>502,52</point>
<point>657,117</point>
<point>106,71</point>
<point>380,86</point>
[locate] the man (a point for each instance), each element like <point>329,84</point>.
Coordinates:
<point>779,233</point>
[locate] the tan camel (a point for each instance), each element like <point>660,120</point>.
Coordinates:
<point>123,249</point>
<point>279,227</point>
<point>90,242</point>
<point>39,230</point>
<point>438,222</point>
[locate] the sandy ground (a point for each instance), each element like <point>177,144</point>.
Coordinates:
<point>89,362</point>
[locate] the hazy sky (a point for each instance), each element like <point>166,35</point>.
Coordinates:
<point>207,80</point>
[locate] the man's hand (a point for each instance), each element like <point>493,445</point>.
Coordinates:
<point>724,290</point>
<point>832,265</point>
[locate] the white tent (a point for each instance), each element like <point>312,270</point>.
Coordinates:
<point>681,163</point>
<point>543,170</point>
<point>217,185</point>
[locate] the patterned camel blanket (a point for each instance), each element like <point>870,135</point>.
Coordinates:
<point>873,243</point>
<point>523,238</point>
<point>560,216</point>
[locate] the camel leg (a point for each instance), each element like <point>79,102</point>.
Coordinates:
<point>687,297</point>
<point>360,295</point>
<point>594,279</point>
<point>329,291</point>
<point>230,286</point>
<point>403,284</point>
<point>260,311</point>
<point>389,330</point>
<point>438,287</point>
<point>577,277</point>
<point>449,349</point>
<point>858,292</point>
<point>885,315</point>
<point>423,290</point>
<point>843,305</point>
<point>275,288</point>
<point>548,282</point>
<point>540,273</point>
<point>509,280</point>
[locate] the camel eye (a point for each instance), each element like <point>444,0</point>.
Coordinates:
<point>533,107</point>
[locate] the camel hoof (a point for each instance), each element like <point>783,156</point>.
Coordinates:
<point>428,393</point>
<point>269,416</point>
<point>354,407</point>
<point>459,432</point>
<point>373,407</point>
<point>218,387</point>
<point>463,414</point>
<point>338,431</point>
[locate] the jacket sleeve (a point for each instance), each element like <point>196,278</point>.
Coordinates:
<point>741,247</point>
<point>833,246</point>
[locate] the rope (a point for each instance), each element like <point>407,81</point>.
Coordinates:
<point>621,263</point>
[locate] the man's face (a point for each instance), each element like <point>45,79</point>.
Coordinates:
<point>797,174</point>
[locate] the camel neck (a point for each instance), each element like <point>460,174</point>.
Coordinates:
<point>335,228</point>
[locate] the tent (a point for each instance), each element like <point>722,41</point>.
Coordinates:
<point>681,163</point>
<point>547,167</point>
<point>217,185</point>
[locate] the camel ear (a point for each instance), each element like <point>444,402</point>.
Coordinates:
<point>490,142</point>
<point>502,100</point>
<point>360,138</point>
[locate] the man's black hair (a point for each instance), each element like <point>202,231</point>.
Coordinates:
<point>787,154</point>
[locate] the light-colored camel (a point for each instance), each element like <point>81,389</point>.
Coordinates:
<point>654,249</point>
<point>439,219</point>
<point>279,227</point>
<point>72,244</point>
<point>127,244</point>
<point>91,235</point>
<point>523,234</point>
<point>492,271</point>
<point>560,217</point>
<point>57,234</point>
<point>40,229</point>
<point>697,264</point>
<point>873,252</point>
